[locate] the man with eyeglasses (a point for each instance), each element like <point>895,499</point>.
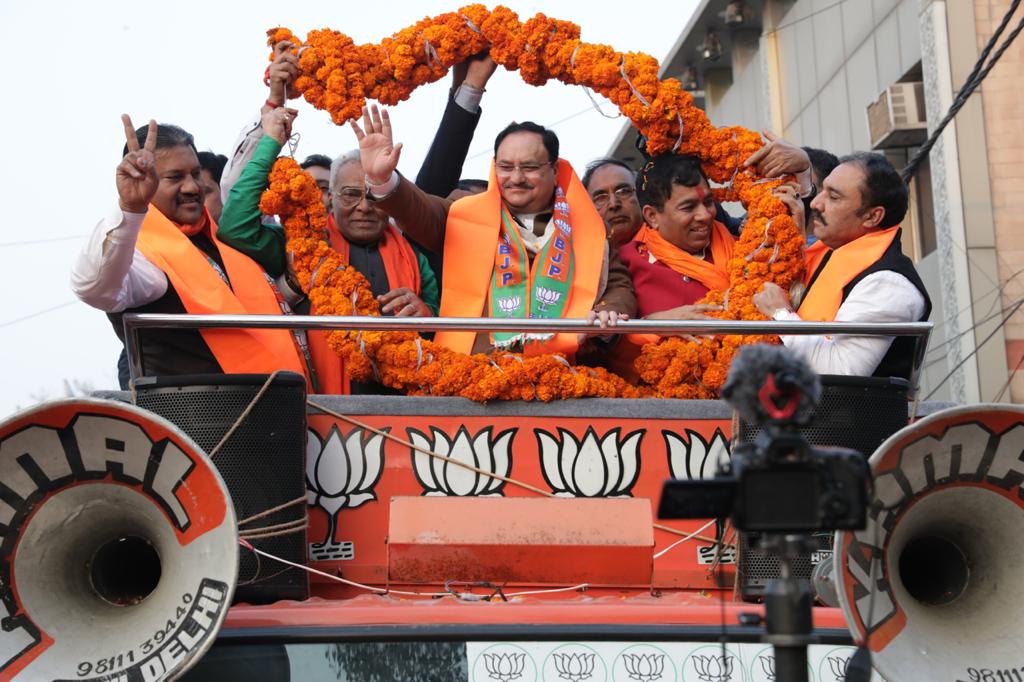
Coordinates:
<point>531,246</point>
<point>399,276</point>
<point>610,183</point>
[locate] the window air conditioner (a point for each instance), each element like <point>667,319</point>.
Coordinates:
<point>897,118</point>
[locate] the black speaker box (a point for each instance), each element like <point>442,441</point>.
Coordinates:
<point>263,462</point>
<point>859,413</point>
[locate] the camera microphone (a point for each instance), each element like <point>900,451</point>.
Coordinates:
<point>769,385</point>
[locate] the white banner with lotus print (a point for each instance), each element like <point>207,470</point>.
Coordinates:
<point>643,662</point>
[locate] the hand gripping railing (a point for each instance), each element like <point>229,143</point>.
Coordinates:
<point>133,322</point>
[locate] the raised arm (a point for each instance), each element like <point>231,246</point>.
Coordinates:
<point>780,157</point>
<point>442,167</point>
<point>109,273</point>
<point>422,216</point>
<point>280,74</point>
<point>241,224</point>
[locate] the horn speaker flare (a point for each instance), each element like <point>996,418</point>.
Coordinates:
<point>120,548</point>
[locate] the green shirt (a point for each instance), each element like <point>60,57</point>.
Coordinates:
<point>243,227</point>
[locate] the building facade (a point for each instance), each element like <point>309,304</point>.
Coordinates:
<point>850,75</point>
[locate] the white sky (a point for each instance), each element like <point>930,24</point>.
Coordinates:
<point>75,67</point>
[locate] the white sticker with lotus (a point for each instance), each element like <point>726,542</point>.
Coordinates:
<point>643,662</point>
<point>341,473</point>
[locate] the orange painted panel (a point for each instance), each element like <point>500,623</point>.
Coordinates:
<point>520,540</point>
<point>352,475</point>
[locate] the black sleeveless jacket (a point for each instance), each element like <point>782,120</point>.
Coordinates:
<point>168,352</point>
<point>899,360</point>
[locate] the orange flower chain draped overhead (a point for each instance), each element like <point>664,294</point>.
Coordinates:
<point>339,76</point>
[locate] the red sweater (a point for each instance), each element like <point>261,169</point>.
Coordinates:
<point>658,287</point>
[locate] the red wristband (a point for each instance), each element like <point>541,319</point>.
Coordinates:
<point>266,77</point>
<point>272,105</point>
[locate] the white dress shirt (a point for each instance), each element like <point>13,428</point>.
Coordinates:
<point>884,296</point>
<point>110,273</point>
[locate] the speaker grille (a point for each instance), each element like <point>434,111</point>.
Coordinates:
<point>756,567</point>
<point>853,412</point>
<point>263,462</point>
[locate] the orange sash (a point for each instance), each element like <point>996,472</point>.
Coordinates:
<point>812,259</point>
<point>823,298</point>
<point>400,263</point>
<point>328,365</point>
<point>471,238</point>
<point>203,292</point>
<point>715,276</point>
<point>403,270</point>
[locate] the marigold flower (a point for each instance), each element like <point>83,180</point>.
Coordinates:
<point>338,76</point>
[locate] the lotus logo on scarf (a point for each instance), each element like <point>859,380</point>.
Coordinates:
<point>644,667</point>
<point>574,667</point>
<point>714,668</point>
<point>341,473</point>
<point>590,467</point>
<point>693,458</point>
<point>768,666</point>
<point>548,297</point>
<point>441,477</point>
<point>837,665</point>
<point>504,667</point>
<point>510,304</point>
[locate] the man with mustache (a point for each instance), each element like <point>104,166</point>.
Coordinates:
<point>159,252</point>
<point>532,245</point>
<point>611,184</point>
<point>856,272</point>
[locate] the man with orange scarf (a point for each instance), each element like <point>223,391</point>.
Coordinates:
<point>681,252</point>
<point>531,246</point>
<point>856,272</point>
<point>158,252</point>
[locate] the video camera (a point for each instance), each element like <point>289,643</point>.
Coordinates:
<point>778,483</point>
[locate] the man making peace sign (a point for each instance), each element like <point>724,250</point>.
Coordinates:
<point>158,253</point>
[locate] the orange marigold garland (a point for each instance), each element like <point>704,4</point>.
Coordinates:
<point>339,76</point>
<point>399,359</point>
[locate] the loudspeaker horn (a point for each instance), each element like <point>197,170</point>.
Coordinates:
<point>120,546</point>
<point>932,582</point>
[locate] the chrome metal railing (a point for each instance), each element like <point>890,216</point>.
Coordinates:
<point>134,322</point>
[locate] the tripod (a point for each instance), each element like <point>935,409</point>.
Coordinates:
<point>787,602</point>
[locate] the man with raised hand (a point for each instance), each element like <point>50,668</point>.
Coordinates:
<point>158,253</point>
<point>859,274</point>
<point>531,246</point>
<point>399,276</point>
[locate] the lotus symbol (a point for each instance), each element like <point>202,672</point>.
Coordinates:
<point>574,667</point>
<point>341,473</point>
<point>548,297</point>
<point>590,467</point>
<point>441,477</point>
<point>505,667</point>
<point>510,304</point>
<point>644,667</point>
<point>714,668</point>
<point>768,666</point>
<point>692,457</point>
<point>837,664</point>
